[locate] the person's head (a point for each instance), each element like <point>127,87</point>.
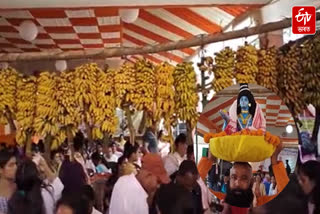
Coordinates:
<point>28,194</point>
<point>8,165</point>
<point>190,153</point>
<point>96,158</point>
<point>240,176</point>
<point>258,179</point>
<point>181,144</point>
<point>239,191</point>
<point>57,156</point>
<point>113,146</point>
<point>188,174</point>
<point>287,162</point>
<point>73,204</point>
<point>245,100</point>
<point>267,177</point>
<point>309,177</point>
<point>121,137</point>
<point>99,148</point>
<point>131,152</point>
<point>107,151</point>
<point>309,180</point>
<point>152,172</point>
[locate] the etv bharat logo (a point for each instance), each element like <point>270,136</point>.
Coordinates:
<point>304,20</point>
<point>303,17</point>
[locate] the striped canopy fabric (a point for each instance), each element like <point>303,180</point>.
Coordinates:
<point>101,27</point>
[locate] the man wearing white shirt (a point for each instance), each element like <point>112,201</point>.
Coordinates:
<point>173,160</point>
<point>131,192</point>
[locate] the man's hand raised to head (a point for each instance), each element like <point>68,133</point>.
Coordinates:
<point>274,157</point>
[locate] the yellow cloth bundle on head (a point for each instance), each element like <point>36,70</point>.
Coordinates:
<point>241,148</point>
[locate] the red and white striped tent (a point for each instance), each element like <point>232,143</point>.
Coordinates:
<point>65,29</point>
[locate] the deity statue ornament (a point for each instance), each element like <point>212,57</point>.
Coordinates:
<point>243,137</point>
<point>244,113</point>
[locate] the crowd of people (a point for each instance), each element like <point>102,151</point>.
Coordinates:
<point>139,178</point>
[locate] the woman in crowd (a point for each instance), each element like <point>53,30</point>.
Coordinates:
<point>309,180</point>
<point>8,168</point>
<point>258,189</point>
<point>34,195</point>
<point>273,186</point>
<point>57,159</point>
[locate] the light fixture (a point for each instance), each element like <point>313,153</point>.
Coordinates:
<point>28,30</point>
<point>129,15</point>
<point>289,129</point>
<point>61,65</point>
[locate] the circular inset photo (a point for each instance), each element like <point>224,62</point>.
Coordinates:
<point>249,144</point>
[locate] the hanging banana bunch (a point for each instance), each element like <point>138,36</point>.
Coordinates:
<point>145,88</point>
<point>165,105</point>
<point>8,90</point>
<point>267,65</point>
<point>290,79</point>
<point>311,71</point>
<point>186,95</point>
<point>104,112</point>
<point>46,115</point>
<point>124,81</point>
<point>223,69</point>
<point>86,89</point>
<point>26,107</point>
<point>69,117</point>
<point>246,64</point>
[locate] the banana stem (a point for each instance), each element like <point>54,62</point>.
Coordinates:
<point>189,133</point>
<point>28,144</point>
<point>47,142</point>
<point>130,124</point>
<point>143,122</point>
<point>70,140</point>
<point>106,138</point>
<point>9,117</point>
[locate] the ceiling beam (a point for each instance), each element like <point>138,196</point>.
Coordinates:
<point>168,46</point>
<point>18,4</point>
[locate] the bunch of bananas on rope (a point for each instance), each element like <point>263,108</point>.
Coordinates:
<point>267,64</point>
<point>223,69</point>
<point>104,112</point>
<point>26,107</point>
<point>290,79</point>
<point>124,83</point>
<point>311,70</point>
<point>145,85</point>
<point>86,89</point>
<point>246,68</point>
<point>69,117</point>
<point>8,90</point>
<point>46,117</point>
<point>186,96</point>
<point>165,104</point>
